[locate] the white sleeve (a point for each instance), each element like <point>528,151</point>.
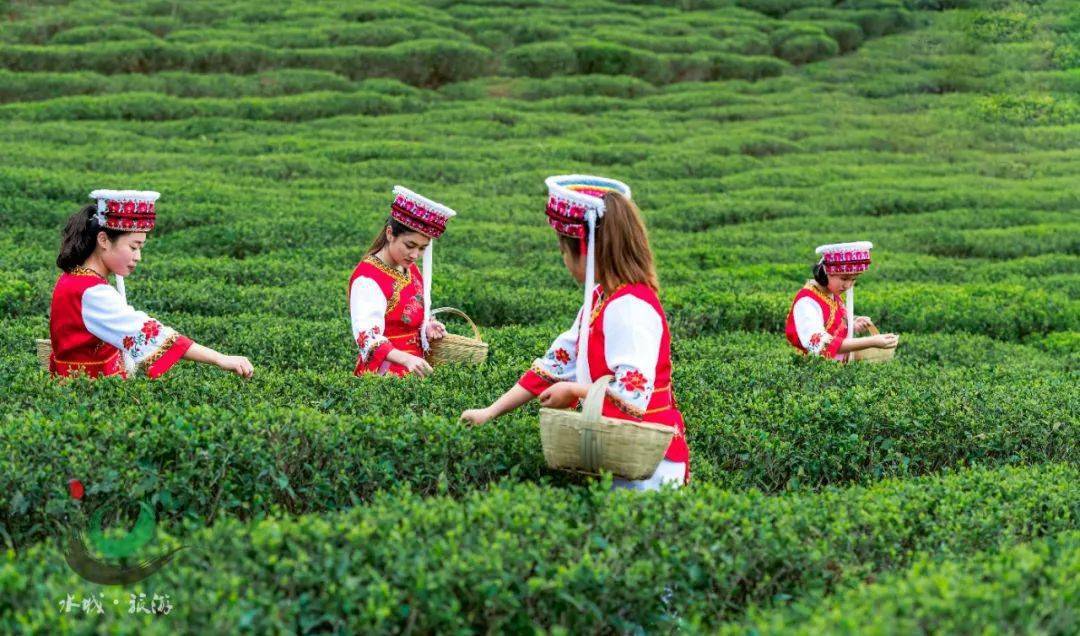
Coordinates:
<point>559,364</point>
<point>367,308</point>
<point>810,325</point>
<point>633,331</point>
<point>110,318</point>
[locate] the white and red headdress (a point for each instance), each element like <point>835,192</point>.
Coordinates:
<point>575,204</point>
<point>420,213</point>
<point>428,218</point>
<point>846,258</point>
<point>572,198</point>
<point>125,210</point>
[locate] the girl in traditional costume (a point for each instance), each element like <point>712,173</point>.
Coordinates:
<point>818,321</point>
<point>389,298</point>
<point>93,330</point>
<point>621,329</point>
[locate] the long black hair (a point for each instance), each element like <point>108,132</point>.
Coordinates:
<point>820,275</point>
<point>80,238</point>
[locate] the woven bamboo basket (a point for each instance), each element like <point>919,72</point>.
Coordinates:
<point>588,442</point>
<point>873,354</point>
<point>455,348</point>
<point>44,352</point>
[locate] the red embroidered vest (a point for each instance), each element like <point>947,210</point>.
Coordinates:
<point>74,348</point>
<point>404,312</point>
<point>834,313</point>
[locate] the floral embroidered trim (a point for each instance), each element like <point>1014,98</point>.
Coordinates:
<point>400,280</point>
<point>629,386</point>
<point>161,351</point>
<point>625,406</point>
<point>558,358</point>
<point>633,381</point>
<point>819,342</point>
<point>133,344</point>
<point>383,267</point>
<point>79,270</point>
<point>368,341</point>
<point>543,373</point>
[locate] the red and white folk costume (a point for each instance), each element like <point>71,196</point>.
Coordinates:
<point>626,335</point>
<point>94,331</point>
<point>390,309</point>
<point>818,322</point>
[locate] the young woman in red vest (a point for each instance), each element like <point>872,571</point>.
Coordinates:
<point>818,322</point>
<point>625,333</point>
<point>94,331</point>
<point>389,298</point>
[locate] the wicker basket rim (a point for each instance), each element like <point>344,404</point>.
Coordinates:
<point>651,426</point>
<point>461,314</point>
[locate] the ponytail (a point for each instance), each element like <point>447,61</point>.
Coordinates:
<point>397,228</point>
<point>623,255</point>
<point>79,239</point>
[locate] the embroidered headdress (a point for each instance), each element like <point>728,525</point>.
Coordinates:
<point>420,213</point>
<point>125,210</point>
<point>846,258</point>
<point>428,218</point>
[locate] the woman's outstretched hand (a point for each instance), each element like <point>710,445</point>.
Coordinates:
<point>886,340</point>
<point>239,365</point>
<point>477,416</point>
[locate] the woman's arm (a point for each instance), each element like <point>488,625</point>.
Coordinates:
<point>515,397</point>
<point>415,364</point>
<point>239,365</point>
<point>151,345</point>
<point>881,341</point>
<point>554,369</point>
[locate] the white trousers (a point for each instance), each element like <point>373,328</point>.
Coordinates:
<point>668,472</point>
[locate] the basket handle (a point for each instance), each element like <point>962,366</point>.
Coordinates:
<point>594,399</point>
<point>591,450</point>
<point>458,312</point>
<point>873,330</point>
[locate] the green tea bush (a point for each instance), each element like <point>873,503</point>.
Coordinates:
<point>847,36</point>
<point>1029,110</point>
<point>98,33</point>
<point>542,59</point>
<point>1033,587</point>
<point>814,424</point>
<point>601,58</point>
<point>515,558</point>
<point>802,49</point>
<point>156,107</point>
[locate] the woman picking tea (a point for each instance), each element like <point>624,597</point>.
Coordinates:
<point>621,329</point>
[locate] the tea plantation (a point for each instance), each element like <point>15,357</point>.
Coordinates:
<point>938,493</point>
